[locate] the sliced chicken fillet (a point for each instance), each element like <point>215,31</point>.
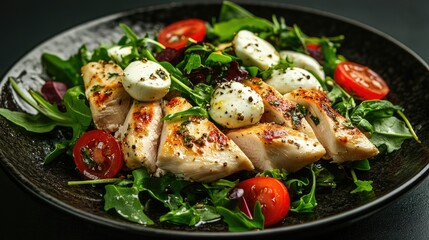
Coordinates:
<point>139,135</point>
<point>195,149</point>
<point>108,100</point>
<point>272,146</point>
<point>279,109</point>
<point>342,141</point>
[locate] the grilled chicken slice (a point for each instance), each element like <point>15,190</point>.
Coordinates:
<point>278,108</point>
<point>342,141</point>
<point>195,149</point>
<point>270,146</point>
<point>139,135</point>
<point>108,100</point>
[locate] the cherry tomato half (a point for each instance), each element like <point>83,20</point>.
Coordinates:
<point>360,81</point>
<point>176,35</point>
<point>271,193</point>
<point>97,154</point>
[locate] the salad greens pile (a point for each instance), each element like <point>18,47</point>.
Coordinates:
<point>194,73</point>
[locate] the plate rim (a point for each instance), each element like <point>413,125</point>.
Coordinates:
<point>325,223</point>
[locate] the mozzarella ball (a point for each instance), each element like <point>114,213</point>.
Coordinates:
<point>234,105</point>
<point>254,51</point>
<point>119,52</point>
<point>292,78</point>
<point>146,80</point>
<point>302,60</point>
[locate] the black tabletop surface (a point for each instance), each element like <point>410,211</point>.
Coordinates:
<point>26,23</point>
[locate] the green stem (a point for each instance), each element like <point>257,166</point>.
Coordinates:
<point>37,102</point>
<point>95,181</point>
<point>352,171</point>
<point>400,113</point>
<point>154,42</point>
<point>24,94</point>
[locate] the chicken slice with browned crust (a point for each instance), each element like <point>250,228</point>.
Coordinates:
<point>272,146</point>
<point>279,109</point>
<point>195,149</point>
<point>108,100</point>
<point>139,135</point>
<point>342,141</point>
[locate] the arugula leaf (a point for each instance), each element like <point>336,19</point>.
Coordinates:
<point>238,221</point>
<point>200,95</point>
<point>280,174</point>
<point>166,189</point>
<point>207,213</point>
<point>253,71</point>
<point>193,62</point>
<point>59,148</point>
<point>129,33</point>
<point>75,102</point>
<point>193,111</point>
<point>183,215</point>
<point>342,102</point>
<point>370,110</point>
<point>330,56</point>
<point>361,185</point>
<point>296,186</point>
<point>362,165</point>
<point>191,215</point>
<point>68,71</point>
<point>390,132</point>
<point>218,192</point>
<point>324,178</point>
<point>281,66</point>
<point>169,190</point>
<point>230,10</point>
<point>126,202</point>
<point>217,59</point>
<point>307,202</point>
<point>377,117</point>
<point>225,31</point>
<point>77,116</point>
<point>38,123</point>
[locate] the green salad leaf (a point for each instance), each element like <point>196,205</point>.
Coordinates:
<point>77,116</point>
<point>126,202</point>
<point>193,203</point>
<point>230,10</point>
<point>239,221</point>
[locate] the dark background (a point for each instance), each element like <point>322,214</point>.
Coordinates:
<point>26,23</point>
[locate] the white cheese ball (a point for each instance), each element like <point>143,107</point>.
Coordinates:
<point>119,52</point>
<point>290,79</point>
<point>304,61</point>
<point>234,105</point>
<point>146,80</point>
<point>254,51</point>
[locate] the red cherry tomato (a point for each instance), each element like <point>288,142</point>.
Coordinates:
<point>271,193</point>
<point>97,154</point>
<point>176,35</point>
<point>360,81</point>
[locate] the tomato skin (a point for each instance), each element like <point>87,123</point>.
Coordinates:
<point>271,193</point>
<point>176,35</point>
<point>360,81</point>
<point>97,154</point>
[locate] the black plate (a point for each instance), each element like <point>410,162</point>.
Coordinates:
<point>407,75</point>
